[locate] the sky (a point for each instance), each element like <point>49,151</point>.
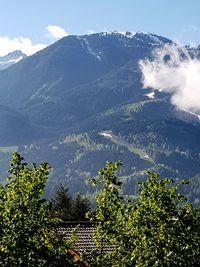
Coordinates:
<point>31,25</point>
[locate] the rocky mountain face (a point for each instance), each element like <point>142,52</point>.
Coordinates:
<point>11,58</point>
<point>80,102</point>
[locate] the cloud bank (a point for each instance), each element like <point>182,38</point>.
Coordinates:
<point>56,31</point>
<point>172,70</point>
<point>8,45</point>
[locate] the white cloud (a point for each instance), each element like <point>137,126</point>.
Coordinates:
<point>91,31</point>
<point>172,70</point>
<point>56,31</point>
<point>8,45</point>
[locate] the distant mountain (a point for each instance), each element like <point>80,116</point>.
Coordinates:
<point>50,77</point>
<point>80,102</point>
<point>11,58</point>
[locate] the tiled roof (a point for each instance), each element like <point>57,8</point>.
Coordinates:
<point>85,235</point>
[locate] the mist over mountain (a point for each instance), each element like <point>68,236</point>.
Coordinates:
<point>81,101</point>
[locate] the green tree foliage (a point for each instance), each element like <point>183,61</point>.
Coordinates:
<point>67,208</point>
<point>27,232</point>
<point>160,229</point>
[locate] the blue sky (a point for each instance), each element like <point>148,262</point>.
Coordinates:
<point>31,25</point>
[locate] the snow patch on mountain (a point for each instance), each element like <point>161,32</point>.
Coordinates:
<point>150,95</point>
<point>11,60</point>
<point>125,34</point>
<point>189,112</point>
<point>105,134</point>
<point>155,38</point>
<point>90,50</point>
<point>86,45</point>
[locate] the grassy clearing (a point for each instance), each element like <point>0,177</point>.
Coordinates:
<point>131,147</point>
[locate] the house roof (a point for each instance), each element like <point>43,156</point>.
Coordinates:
<point>85,233</point>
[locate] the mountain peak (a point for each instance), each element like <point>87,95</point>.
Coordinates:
<point>132,36</point>
<point>117,33</point>
<point>11,58</point>
<point>16,53</point>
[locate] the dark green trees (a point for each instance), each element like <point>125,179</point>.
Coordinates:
<point>27,232</point>
<point>67,208</point>
<point>80,206</point>
<point>61,203</point>
<point>160,229</point>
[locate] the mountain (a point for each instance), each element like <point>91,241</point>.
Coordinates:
<point>11,58</point>
<point>80,102</point>
<point>55,76</point>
